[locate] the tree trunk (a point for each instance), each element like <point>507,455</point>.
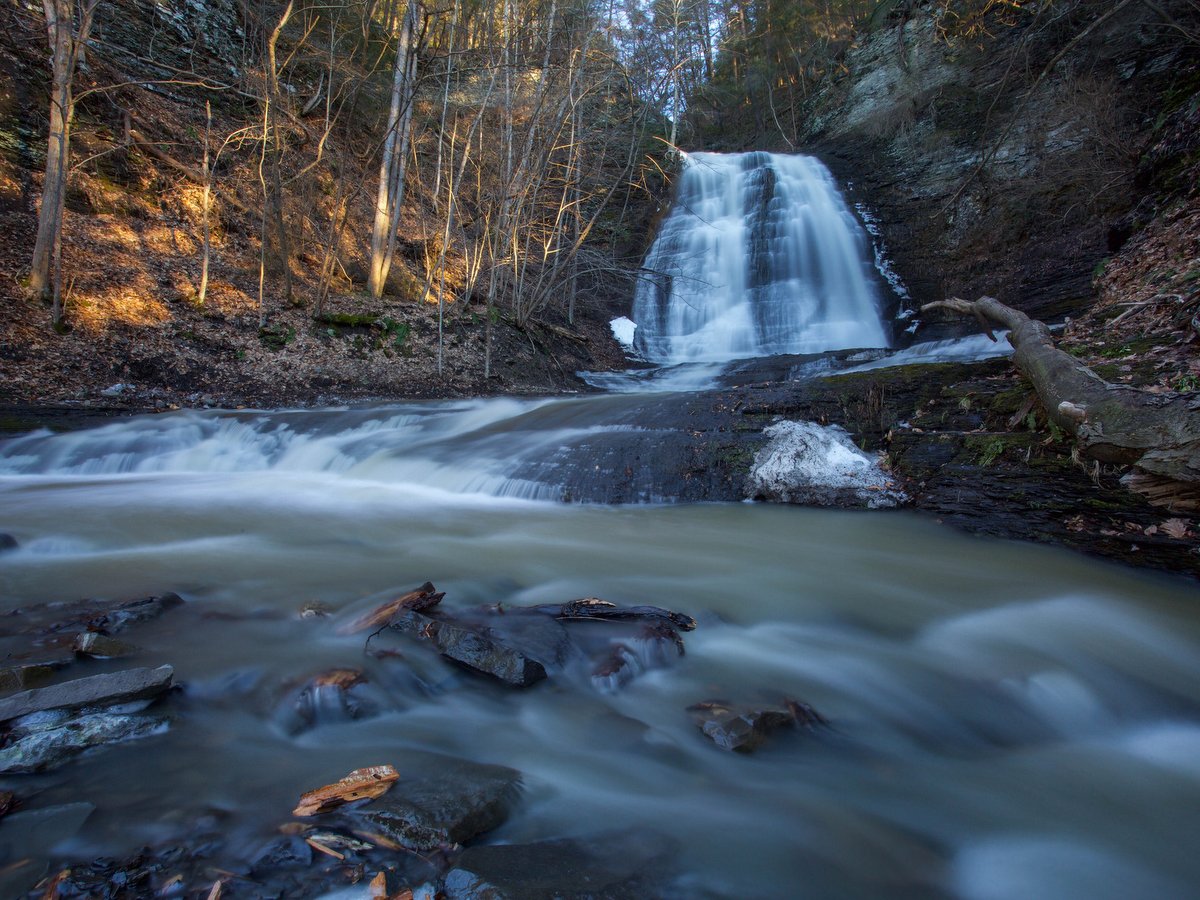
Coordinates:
<point>45,279</point>
<point>392,165</point>
<point>1157,434</point>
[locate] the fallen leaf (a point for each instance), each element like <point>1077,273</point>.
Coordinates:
<point>377,889</point>
<point>1176,528</point>
<point>361,784</point>
<point>1150,530</point>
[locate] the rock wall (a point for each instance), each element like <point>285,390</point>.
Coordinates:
<point>999,163</point>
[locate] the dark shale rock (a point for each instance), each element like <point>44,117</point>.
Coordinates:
<point>103,616</point>
<point>610,866</point>
<point>475,646</point>
<point>744,730</point>
<point>448,801</point>
<point>99,646</point>
<point>47,740</point>
<point>95,690</point>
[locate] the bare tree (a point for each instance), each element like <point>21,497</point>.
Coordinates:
<point>67,40</point>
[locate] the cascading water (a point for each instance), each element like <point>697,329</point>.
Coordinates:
<point>760,255</point>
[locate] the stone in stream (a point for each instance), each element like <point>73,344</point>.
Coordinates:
<point>99,646</point>
<point>447,801</point>
<point>105,617</point>
<point>743,730</point>
<point>332,695</point>
<point>7,542</point>
<point>655,646</point>
<point>105,689</point>
<point>614,866</point>
<point>45,741</point>
<point>476,646</point>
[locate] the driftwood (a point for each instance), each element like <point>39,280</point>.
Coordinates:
<point>416,600</point>
<point>1157,434</point>
<point>360,784</point>
<point>604,610</point>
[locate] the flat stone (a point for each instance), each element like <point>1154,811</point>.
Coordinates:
<point>614,866</point>
<point>95,690</point>
<point>449,803</point>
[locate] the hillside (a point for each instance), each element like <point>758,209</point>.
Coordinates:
<point>527,284</point>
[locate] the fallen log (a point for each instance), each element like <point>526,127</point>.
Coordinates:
<point>605,610</point>
<point>1157,434</point>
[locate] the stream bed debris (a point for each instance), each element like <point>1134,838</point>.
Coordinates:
<point>394,835</point>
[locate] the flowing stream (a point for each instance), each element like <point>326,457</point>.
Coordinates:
<point>1006,720</point>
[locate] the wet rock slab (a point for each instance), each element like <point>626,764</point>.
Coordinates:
<point>46,727</point>
<point>47,740</point>
<point>445,801</point>
<point>614,866</point>
<point>95,690</point>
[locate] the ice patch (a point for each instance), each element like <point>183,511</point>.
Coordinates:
<point>623,329</point>
<point>818,465</point>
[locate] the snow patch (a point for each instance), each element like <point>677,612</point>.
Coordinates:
<point>623,329</point>
<point>804,462</point>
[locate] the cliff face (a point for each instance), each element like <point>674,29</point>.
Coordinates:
<point>1010,161</point>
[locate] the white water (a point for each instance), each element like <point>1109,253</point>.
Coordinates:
<point>1009,721</point>
<point>759,256</point>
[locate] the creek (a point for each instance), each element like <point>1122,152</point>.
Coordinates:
<point>1005,720</point>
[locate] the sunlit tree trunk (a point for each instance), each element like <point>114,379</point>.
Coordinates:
<point>66,43</point>
<point>393,163</point>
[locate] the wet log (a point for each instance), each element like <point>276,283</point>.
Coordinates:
<point>604,610</point>
<point>361,784</point>
<point>1157,434</point>
<point>417,600</point>
<point>95,690</point>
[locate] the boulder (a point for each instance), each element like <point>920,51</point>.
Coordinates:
<point>449,802</point>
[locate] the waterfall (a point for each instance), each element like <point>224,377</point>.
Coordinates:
<point>759,255</point>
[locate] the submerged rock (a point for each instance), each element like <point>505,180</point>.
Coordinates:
<point>330,696</point>
<point>613,865</point>
<point>7,542</point>
<point>451,802</point>
<point>743,730</point>
<point>818,465</point>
